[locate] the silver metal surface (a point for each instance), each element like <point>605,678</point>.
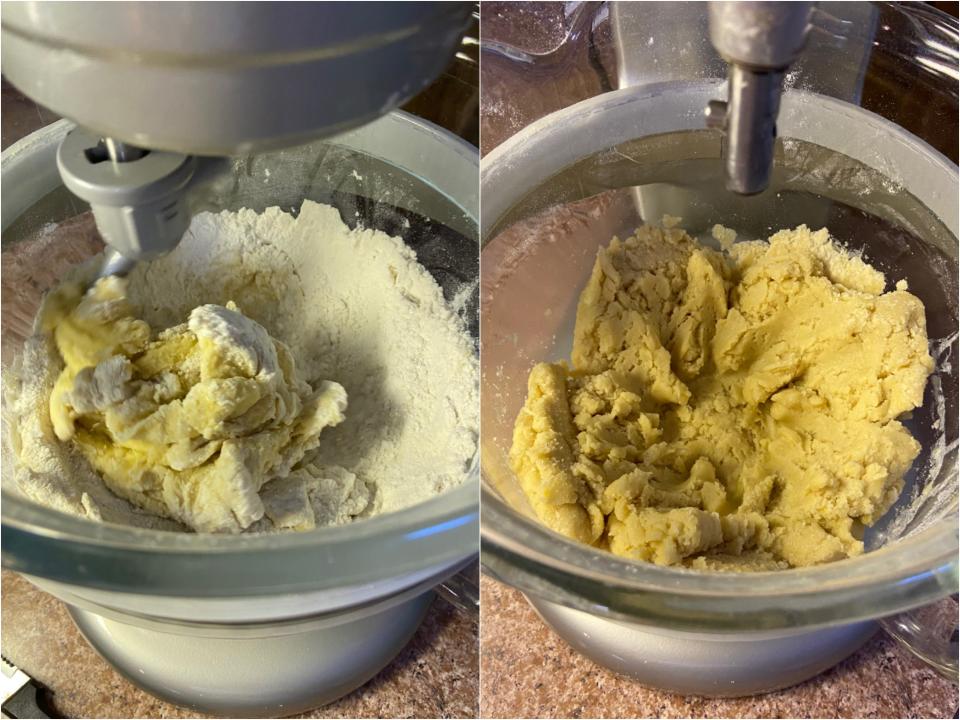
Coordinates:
<point>117,264</point>
<point>759,40</point>
<point>680,50</point>
<point>750,124</point>
<point>716,114</point>
<point>269,668</point>
<point>663,41</point>
<point>268,675</point>
<point>759,35</point>
<point>285,618</point>
<point>714,665</point>
<point>121,152</point>
<point>140,199</point>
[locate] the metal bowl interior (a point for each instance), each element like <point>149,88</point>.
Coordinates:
<point>396,171</point>
<point>565,185</point>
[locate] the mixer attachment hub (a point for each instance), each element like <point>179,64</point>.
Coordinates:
<point>138,197</point>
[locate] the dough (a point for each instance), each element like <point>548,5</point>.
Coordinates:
<point>731,410</point>
<point>354,305</point>
<point>189,424</point>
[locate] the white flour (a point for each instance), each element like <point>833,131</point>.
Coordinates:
<point>354,306</point>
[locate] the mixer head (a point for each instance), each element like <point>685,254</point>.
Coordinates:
<point>154,85</point>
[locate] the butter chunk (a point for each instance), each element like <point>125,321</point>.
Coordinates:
<point>190,424</point>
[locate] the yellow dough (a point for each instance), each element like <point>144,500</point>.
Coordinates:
<point>189,424</point>
<point>731,410</point>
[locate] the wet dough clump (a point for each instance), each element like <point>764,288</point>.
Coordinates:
<point>192,422</point>
<point>731,410</point>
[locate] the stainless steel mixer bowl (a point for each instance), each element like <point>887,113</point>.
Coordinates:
<point>565,184</point>
<point>348,597</point>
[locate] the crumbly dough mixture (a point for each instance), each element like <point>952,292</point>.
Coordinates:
<point>157,402</point>
<point>728,410</point>
<point>189,423</point>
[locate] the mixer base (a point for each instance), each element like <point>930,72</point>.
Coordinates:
<point>711,665</point>
<point>258,674</point>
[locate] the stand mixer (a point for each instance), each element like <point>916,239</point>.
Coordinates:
<point>612,137</point>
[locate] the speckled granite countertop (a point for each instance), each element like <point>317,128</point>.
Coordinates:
<point>435,676</point>
<point>528,672</point>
